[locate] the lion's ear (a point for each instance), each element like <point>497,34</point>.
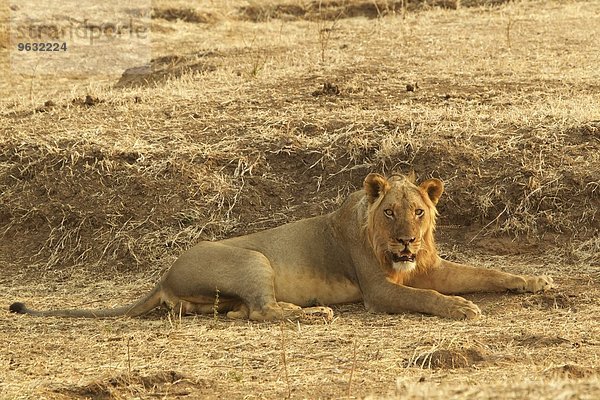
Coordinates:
<point>434,189</point>
<point>375,185</point>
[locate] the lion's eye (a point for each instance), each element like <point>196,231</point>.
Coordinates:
<point>419,212</point>
<point>388,212</point>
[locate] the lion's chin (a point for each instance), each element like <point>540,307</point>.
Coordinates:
<point>404,266</point>
<point>403,262</point>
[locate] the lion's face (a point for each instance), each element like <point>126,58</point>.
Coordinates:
<point>401,219</point>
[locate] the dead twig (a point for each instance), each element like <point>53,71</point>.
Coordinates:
<point>284,360</point>
<point>349,391</point>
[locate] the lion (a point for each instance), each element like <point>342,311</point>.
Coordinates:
<point>378,247</point>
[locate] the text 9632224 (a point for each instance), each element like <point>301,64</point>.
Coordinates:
<point>42,46</point>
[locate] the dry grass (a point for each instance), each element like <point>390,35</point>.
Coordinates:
<point>523,344</point>
<point>258,113</point>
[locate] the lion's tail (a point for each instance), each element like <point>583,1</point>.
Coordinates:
<point>142,306</point>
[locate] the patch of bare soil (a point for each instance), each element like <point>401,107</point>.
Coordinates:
<point>183,14</point>
<point>87,101</point>
<point>449,358</point>
<point>573,371</point>
<point>551,300</point>
<point>336,9</point>
<point>328,89</point>
<point>164,68</point>
<point>540,340</point>
<point>161,384</point>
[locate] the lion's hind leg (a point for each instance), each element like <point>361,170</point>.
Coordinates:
<point>240,312</point>
<point>248,276</point>
<point>293,312</point>
<point>283,310</point>
<point>240,277</point>
<point>270,312</point>
<point>276,311</point>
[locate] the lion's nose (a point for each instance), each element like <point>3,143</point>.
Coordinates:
<point>405,241</point>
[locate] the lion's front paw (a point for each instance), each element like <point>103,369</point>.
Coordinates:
<point>538,283</point>
<point>460,308</point>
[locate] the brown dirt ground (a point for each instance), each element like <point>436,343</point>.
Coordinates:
<point>253,114</point>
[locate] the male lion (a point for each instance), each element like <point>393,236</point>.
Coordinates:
<point>378,247</point>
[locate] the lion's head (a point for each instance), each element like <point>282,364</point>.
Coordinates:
<point>401,220</point>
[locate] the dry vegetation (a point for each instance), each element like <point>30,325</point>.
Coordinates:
<point>256,113</point>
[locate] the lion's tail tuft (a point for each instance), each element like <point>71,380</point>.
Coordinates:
<point>18,308</point>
